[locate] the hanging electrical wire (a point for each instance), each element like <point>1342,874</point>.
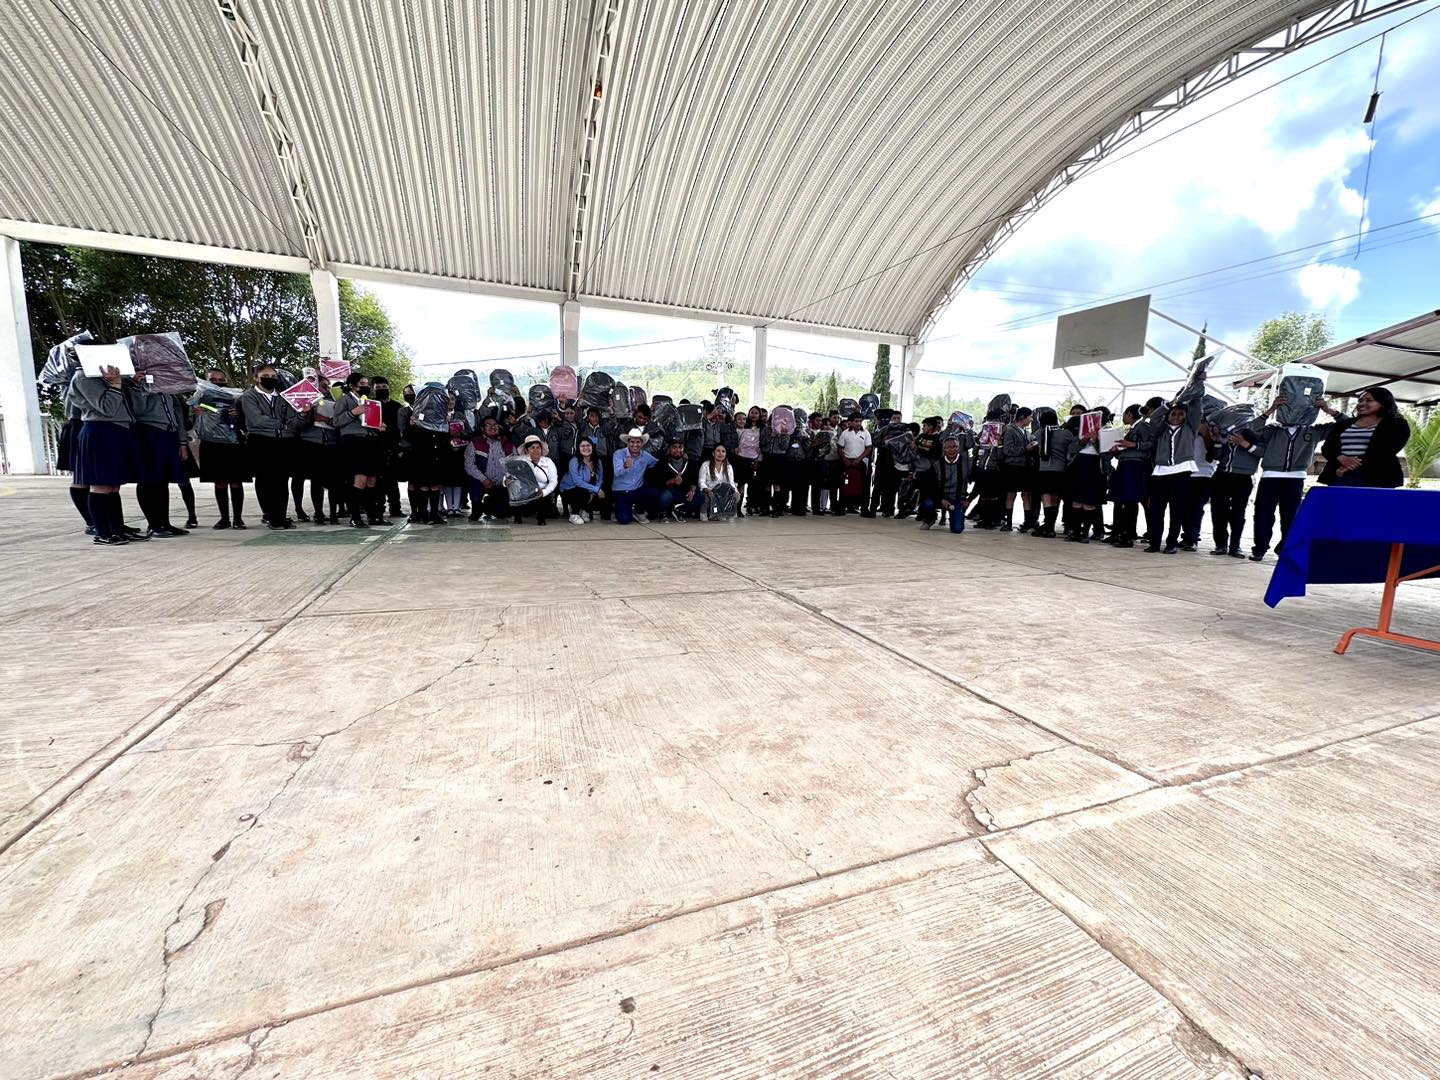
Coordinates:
<point>1369,120</point>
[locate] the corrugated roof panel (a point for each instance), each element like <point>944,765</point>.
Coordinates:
<point>80,146</point>
<point>831,161</point>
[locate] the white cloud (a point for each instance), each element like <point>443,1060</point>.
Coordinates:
<point>1429,208</point>
<point>1327,286</point>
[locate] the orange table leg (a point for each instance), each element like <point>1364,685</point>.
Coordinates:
<point>1387,609</point>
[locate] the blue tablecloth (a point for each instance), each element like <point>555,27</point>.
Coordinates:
<point>1342,535</point>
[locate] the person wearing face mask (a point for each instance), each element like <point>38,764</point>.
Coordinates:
<point>271,427</point>
<point>391,438</point>
<point>223,463</point>
<point>362,452</point>
<point>106,453</point>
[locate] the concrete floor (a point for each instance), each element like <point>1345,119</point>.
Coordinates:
<point>800,798</point>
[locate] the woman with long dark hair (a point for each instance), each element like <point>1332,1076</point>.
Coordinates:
<point>1362,451</point>
<point>582,489</point>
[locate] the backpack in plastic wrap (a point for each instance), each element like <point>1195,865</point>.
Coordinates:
<point>960,421</point>
<point>689,418</point>
<point>847,406</point>
<point>214,408</point>
<point>466,388</point>
<point>62,363</point>
<point>1000,403</point>
<point>1210,405</point>
<point>869,405</point>
<point>501,379</point>
<point>665,415</point>
<point>637,399</point>
<point>541,399</point>
<point>431,408</point>
<point>498,401</point>
<point>897,439</point>
<point>749,446</point>
<point>1233,417</point>
<point>802,417</point>
<point>782,420</point>
<point>520,482</point>
<point>726,398</point>
<point>620,402</point>
<point>724,500</point>
<point>597,391</point>
<point>161,365</point>
<point>563,383</point>
<point>660,399</point>
<point>1302,386</point>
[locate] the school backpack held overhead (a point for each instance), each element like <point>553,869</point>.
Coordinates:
<point>1302,385</point>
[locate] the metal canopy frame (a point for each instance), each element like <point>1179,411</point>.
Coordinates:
<point>1303,30</point>
<point>1423,368</point>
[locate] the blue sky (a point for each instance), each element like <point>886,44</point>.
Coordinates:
<point>1246,180</point>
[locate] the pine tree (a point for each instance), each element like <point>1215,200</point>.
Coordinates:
<point>1199,353</point>
<point>880,383</point>
<point>832,393</point>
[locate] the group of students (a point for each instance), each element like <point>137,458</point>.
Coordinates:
<point>576,460</point>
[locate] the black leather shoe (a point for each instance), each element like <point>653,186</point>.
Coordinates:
<point>111,541</point>
<point>223,523</point>
<point>240,524</point>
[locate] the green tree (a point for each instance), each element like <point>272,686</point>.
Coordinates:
<point>229,317</point>
<point>1289,337</point>
<point>1423,449</point>
<point>1200,343</point>
<point>832,392</point>
<point>368,339</point>
<point>880,381</point>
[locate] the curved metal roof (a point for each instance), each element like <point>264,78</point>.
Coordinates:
<point>774,159</point>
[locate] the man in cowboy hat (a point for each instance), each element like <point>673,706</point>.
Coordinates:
<point>629,487</point>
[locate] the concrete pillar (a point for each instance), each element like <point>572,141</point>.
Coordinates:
<point>570,334</point>
<point>327,313</point>
<point>909,362</point>
<point>19,401</point>
<point>758,367</point>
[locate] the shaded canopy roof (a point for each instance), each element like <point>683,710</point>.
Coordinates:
<point>1405,359</point>
<point>778,159</point>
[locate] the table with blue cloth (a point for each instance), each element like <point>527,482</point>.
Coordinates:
<point>1349,536</point>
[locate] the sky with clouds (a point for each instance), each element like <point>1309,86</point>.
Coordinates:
<point>1246,175</point>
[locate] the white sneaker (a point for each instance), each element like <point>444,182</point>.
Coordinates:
<point>576,519</point>
<point>643,519</point>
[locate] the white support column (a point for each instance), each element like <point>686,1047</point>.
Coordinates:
<point>19,401</point>
<point>327,313</point>
<point>758,367</point>
<point>570,334</point>
<point>909,362</point>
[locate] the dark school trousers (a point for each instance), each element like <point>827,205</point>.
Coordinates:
<point>1275,493</point>
<point>1195,502</point>
<point>1168,494</point>
<point>1228,500</point>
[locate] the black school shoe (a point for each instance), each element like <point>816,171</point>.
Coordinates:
<point>1187,546</point>
<point>1220,551</point>
<point>192,523</point>
<point>301,515</point>
<point>240,524</point>
<point>1171,549</point>
<point>1257,556</point>
<point>111,541</point>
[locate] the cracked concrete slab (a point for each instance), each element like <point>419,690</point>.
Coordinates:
<point>914,969</point>
<point>405,577</point>
<point>1289,910</point>
<point>56,719</point>
<point>465,824</point>
<point>546,772</point>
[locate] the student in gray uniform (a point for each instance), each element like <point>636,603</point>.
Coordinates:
<point>1015,443</point>
<point>65,454</point>
<point>599,431</point>
<point>363,452</point>
<point>1284,463</point>
<point>1237,460</point>
<point>1173,462</point>
<point>157,436</point>
<point>1202,483</point>
<point>320,457</point>
<point>270,429</point>
<point>1131,478</point>
<point>1056,446</point>
<point>106,454</point>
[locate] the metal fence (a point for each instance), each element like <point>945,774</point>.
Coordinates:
<point>50,438</point>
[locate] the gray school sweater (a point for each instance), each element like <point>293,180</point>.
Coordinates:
<point>1063,446</point>
<point>1287,451</point>
<point>347,425</point>
<point>153,410</point>
<point>96,401</point>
